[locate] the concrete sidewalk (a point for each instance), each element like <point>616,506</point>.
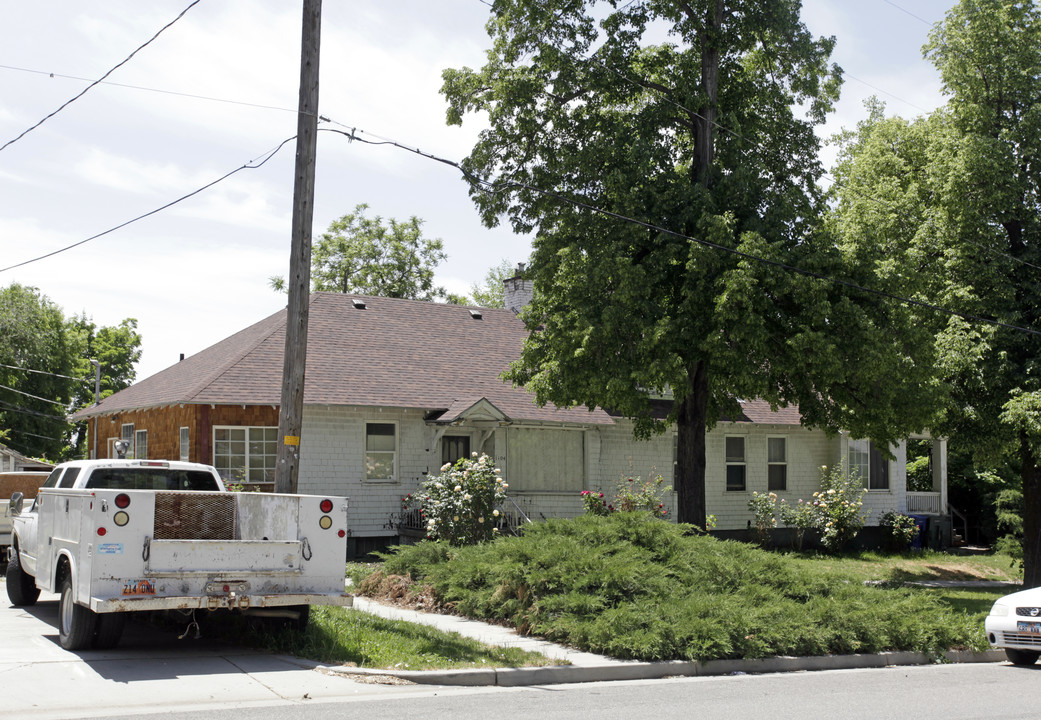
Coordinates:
<point>588,667</point>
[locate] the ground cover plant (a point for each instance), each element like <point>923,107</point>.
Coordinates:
<point>630,586</point>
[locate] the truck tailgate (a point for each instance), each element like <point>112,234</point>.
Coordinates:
<point>209,556</point>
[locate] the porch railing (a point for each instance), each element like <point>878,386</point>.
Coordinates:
<point>927,503</point>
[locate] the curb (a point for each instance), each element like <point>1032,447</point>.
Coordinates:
<point>561,674</point>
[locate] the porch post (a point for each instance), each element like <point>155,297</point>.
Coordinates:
<point>940,471</point>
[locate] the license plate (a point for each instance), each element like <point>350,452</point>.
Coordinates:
<point>1031,628</point>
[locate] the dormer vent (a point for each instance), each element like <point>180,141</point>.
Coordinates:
<point>476,314</point>
<point>358,304</point>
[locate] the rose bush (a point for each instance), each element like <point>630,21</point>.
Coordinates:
<point>461,505</point>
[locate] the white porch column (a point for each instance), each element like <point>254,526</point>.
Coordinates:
<point>592,460</point>
<point>940,471</point>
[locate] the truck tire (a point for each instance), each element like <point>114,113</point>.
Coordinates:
<point>21,587</point>
<point>302,619</point>
<point>109,629</point>
<point>76,624</point>
<point>1021,657</point>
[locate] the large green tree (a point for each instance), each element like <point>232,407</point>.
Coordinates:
<point>45,370</point>
<point>954,199</point>
<point>694,119</point>
<point>370,256</point>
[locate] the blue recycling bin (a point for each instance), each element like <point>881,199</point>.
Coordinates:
<point>922,523</point>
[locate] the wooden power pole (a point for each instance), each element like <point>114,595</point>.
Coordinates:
<point>290,415</point>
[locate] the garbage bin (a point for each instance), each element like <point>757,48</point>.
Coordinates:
<point>922,523</point>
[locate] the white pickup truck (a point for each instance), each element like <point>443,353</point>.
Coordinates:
<point>116,536</point>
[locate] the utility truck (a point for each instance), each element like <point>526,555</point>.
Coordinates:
<point>120,536</point>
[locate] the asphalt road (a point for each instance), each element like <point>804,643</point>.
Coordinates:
<point>152,671</point>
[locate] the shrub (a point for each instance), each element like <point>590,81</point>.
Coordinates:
<point>898,530</point>
<point>764,512</point>
<point>632,494</point>
<point>838,508</point>
<point>801,516</point>
<point>461,505</point>
<point>595,504</point>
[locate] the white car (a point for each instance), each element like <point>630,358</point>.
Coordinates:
<point>1014,624</point>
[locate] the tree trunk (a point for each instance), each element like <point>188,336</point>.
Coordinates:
<point>690,450</point>
<point>1031,475</point>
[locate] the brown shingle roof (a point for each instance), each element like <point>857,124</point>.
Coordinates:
<point>393,353</point>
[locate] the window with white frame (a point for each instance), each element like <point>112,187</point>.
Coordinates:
<point>245,454</point>
<point>141,444</point>
<point>867,462</point>
<point>185,446</point>
<point>776,463</point>
<point>735,462</point>
<point>381,451</point>
<point>127,435</point>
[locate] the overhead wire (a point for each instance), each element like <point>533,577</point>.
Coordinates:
<point>161,91</point>
<point>8,407</point>
<point>95,83</point>
<point>41,372</point>
<point>34,397</point>
<point>473,179</point>
<point>251,165</point>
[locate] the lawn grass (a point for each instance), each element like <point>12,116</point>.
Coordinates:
<point>633,587</point>
<point>912,566</point>
<point>337,635</point>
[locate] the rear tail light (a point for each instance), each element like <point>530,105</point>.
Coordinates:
<point>122,500</point>
<point>326,506</point>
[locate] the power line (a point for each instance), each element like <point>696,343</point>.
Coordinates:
<point>88,88</point>
<point>473,179</point>
<point>905,10</point>
<point>42,437</point>
<point>41,372</point>
<point>34,397</point>
<point>151,89</point>
<point>251,165</point>
<point>8,407</point>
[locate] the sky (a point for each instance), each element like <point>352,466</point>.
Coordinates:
<point>217,91</point>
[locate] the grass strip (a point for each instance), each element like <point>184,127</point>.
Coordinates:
<point>338,635</point>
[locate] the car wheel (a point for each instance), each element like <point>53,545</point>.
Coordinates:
<point>76,624</point>
<point>1021,657</point>
<point>21,587</point>
<point>109,629</point>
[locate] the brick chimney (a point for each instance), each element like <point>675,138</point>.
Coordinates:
<point>518,291</point>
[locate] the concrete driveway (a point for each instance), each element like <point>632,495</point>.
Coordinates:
<point>150,671</point>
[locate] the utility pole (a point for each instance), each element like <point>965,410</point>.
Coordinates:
<point>291,411</point>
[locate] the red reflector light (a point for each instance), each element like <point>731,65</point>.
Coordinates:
<point>122,500</point>
<point>326,506</point>
<point>341,533</point>
<point>102,531</point>
<point>227,588</point>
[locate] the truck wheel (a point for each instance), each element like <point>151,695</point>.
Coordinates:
<point>302,619</point>
<point>21,587</point>
<point>76,624</point>
<point>1021,657</point>
<point>109,629</point>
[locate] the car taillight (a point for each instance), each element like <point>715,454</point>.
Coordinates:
<point>122,500</point>
<point>102,531</point>
<point>326,505</point>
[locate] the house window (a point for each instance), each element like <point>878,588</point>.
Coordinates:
<point>185,447</point>
<point>245,454</point>
<point>454,447</point>
<point>867,463</point>
<point>127,435</point>
<point>735,460</point>
<point>777,463</point>
<point>141,444</point>
<point>381,444</point>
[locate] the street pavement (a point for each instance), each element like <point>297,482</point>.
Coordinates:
<point>152,670</point>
